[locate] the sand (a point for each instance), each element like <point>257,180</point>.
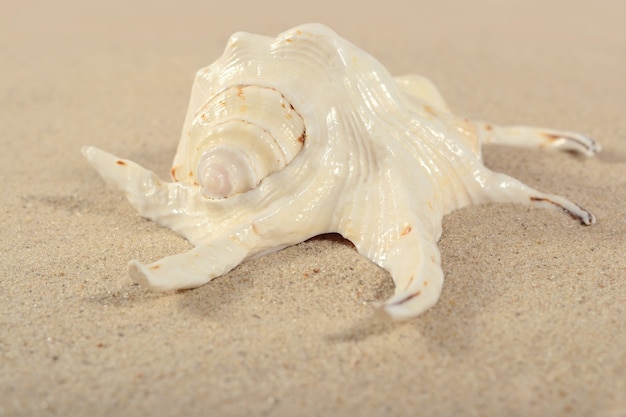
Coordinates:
<point>531,321</point>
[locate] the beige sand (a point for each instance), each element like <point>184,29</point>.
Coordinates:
<point>531,321</point>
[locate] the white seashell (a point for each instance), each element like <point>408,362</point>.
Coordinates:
<point>306,134</point>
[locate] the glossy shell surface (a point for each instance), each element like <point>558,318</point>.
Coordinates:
<point>303,134</point>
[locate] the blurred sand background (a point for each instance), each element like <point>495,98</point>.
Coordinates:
<point>532,317</point>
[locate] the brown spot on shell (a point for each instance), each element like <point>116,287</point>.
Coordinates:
<point>553,138</point>
<point>122,163</point>
<point>407,229</point>
<point>410,281</point>
<point>154,267</point>
<point>405,299</point>
<point>547,200</point>
<point>302,137</point>
<point>173,174</point>
<point>488,127</point>
<point>428,109</point>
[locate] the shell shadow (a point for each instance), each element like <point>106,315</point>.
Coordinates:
<point>215,299</point>
<point>303,281</point>
<point>126,296</point>
<point>366,327</point>
<point>449,324</point>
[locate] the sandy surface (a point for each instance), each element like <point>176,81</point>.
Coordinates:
<point>531,321</point>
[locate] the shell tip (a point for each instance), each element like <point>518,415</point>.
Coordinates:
<point>86,150</point>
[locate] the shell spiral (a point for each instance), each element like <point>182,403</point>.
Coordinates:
<point>241,135</point>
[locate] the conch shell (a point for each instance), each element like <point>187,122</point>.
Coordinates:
<point>306,134</point>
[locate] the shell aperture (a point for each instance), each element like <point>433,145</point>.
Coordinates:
<point>304,134</point>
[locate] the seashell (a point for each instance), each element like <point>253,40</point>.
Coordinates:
<point>306,134</point>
